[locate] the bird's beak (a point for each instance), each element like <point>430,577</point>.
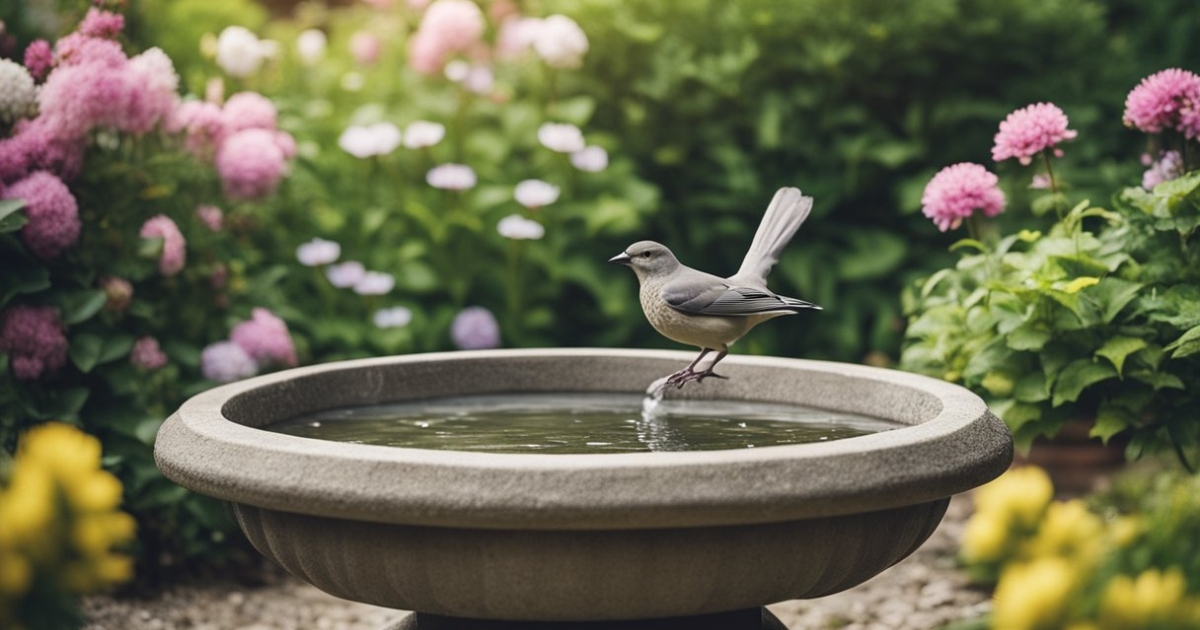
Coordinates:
<point>620,259</point>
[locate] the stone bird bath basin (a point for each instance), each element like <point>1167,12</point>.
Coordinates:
<point>664,539</point>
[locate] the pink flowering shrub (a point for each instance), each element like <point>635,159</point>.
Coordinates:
<point>125,259</point>
<point>1166,100</point>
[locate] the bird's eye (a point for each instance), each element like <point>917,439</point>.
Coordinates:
<point>645,254</point>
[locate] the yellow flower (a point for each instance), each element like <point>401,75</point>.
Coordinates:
<point>1153,597</point>
<point>985,538</point>
<point>97,491</point>
<point>1034,595</point>
<point>1021,493</point>
<point>1068,530</point>
<point>27,507</point>
<point>61,449</point>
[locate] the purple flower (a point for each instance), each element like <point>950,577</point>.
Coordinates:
<point>1029,131</point>
<point>53,215</point>
<point>35,340</point>
<point>1169,166</point>
<point>147,355</point>
<point>475,328</point>
<point>225,361</point>
<point>957,191</point>
<point>251,164</point>
<point>318,252</point>
<point>265,338</point>
<point>1169,99</point>
<point>174,247</point>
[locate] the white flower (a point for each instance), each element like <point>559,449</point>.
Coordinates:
<point>561,137</point>
<point>422,133</point>
<point>451,177</point>
<point>239,52</point>
<point>363,142</point>
<point>590,159</point>
<point>310,45</point>
<point>535,193</point>
<point>479,80</point>
<point>457,70</point>
<point>560,42</point>
<point>346,274</point>
<point>517,227</point>
<point>393,317</point>
<point>374,283</point>
<point>18,96</point>
<point>318,252</point>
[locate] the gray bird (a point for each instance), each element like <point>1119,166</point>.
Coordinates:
<point>700,309</point>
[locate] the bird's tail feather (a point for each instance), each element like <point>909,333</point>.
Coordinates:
<point>789,208</point>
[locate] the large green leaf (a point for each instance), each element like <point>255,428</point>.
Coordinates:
<point>1116,349</point>
<point>10,219</point>
<point>79,305</point>
<point>1077,376</point>
<point>85,351</point>
<point>1187,344</point>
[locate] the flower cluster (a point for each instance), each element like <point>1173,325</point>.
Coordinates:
<point>62,531</point>
<point>261,341</point>
<point>1029,131</point>
<point>1169,99</point>
<point>52,213</point>
<point>475,328</point>
<point>958,191</point>
<point>174,247</point>
<point>34,339</point>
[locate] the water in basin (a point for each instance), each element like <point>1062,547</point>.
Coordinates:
<point>579,423</point>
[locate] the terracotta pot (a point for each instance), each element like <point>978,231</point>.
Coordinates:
<point>1077,463</point>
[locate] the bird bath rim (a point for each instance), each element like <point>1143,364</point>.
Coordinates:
<point>211,445</point>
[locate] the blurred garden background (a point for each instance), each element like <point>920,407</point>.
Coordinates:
<point>197,191</point>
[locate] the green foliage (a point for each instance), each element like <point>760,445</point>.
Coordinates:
<point>1095,319</point>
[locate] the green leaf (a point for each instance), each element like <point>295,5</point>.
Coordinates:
<point>1112,295</point>
<point>20,279</point>
<point>80,305</point>
<point>1027,337</point>
<point>1111,420</point>
<point>1186,345</point>
<point>1077,376</point>
<point>1032,388</point>
<point>1157,380</point>
<point>1020,414</point>
<point>85,351</point>
<point>63,404</point>
<point>115,347</point>
<point>873,254</point>
<point>1115,349</point>
<point>576,110</point>
<point>10,219</point>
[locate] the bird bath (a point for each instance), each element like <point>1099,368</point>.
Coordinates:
<point>636,540</point>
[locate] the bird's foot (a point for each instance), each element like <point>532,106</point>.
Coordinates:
<point>688,375</point>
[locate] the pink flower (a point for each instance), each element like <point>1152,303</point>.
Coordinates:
<point>475,328</point>
<point>1169,166</point>
<point>174,247</point>
<point>203,124</point>
<point>151,85</point>
<point>448,26</point>
<point>959,190</point>
<point>147,355</point>
<point>1029,131</point>
<point>225,361</point>
<point>79,49</point>
<point>35,340</point>
<point>52,212</point>
<point>99,23</point>
<point>38,59</point>
<point>365,47</point>
<point>1169,99</point>
<point>248,110</point>
<point>251,164</point>
<point>286,144</point>
<point>265,338</point>
<point>211,217</point>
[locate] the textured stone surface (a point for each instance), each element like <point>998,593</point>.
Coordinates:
<point>584,536</point>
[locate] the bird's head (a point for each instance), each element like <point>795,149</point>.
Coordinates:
<point>648,259</point>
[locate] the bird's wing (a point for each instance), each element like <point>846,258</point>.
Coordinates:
<point>726,300</point>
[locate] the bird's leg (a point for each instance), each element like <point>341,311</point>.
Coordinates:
<point>709,371</point>
<point>686,374</point>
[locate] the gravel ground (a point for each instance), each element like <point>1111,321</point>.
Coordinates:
<point>922,592</point>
